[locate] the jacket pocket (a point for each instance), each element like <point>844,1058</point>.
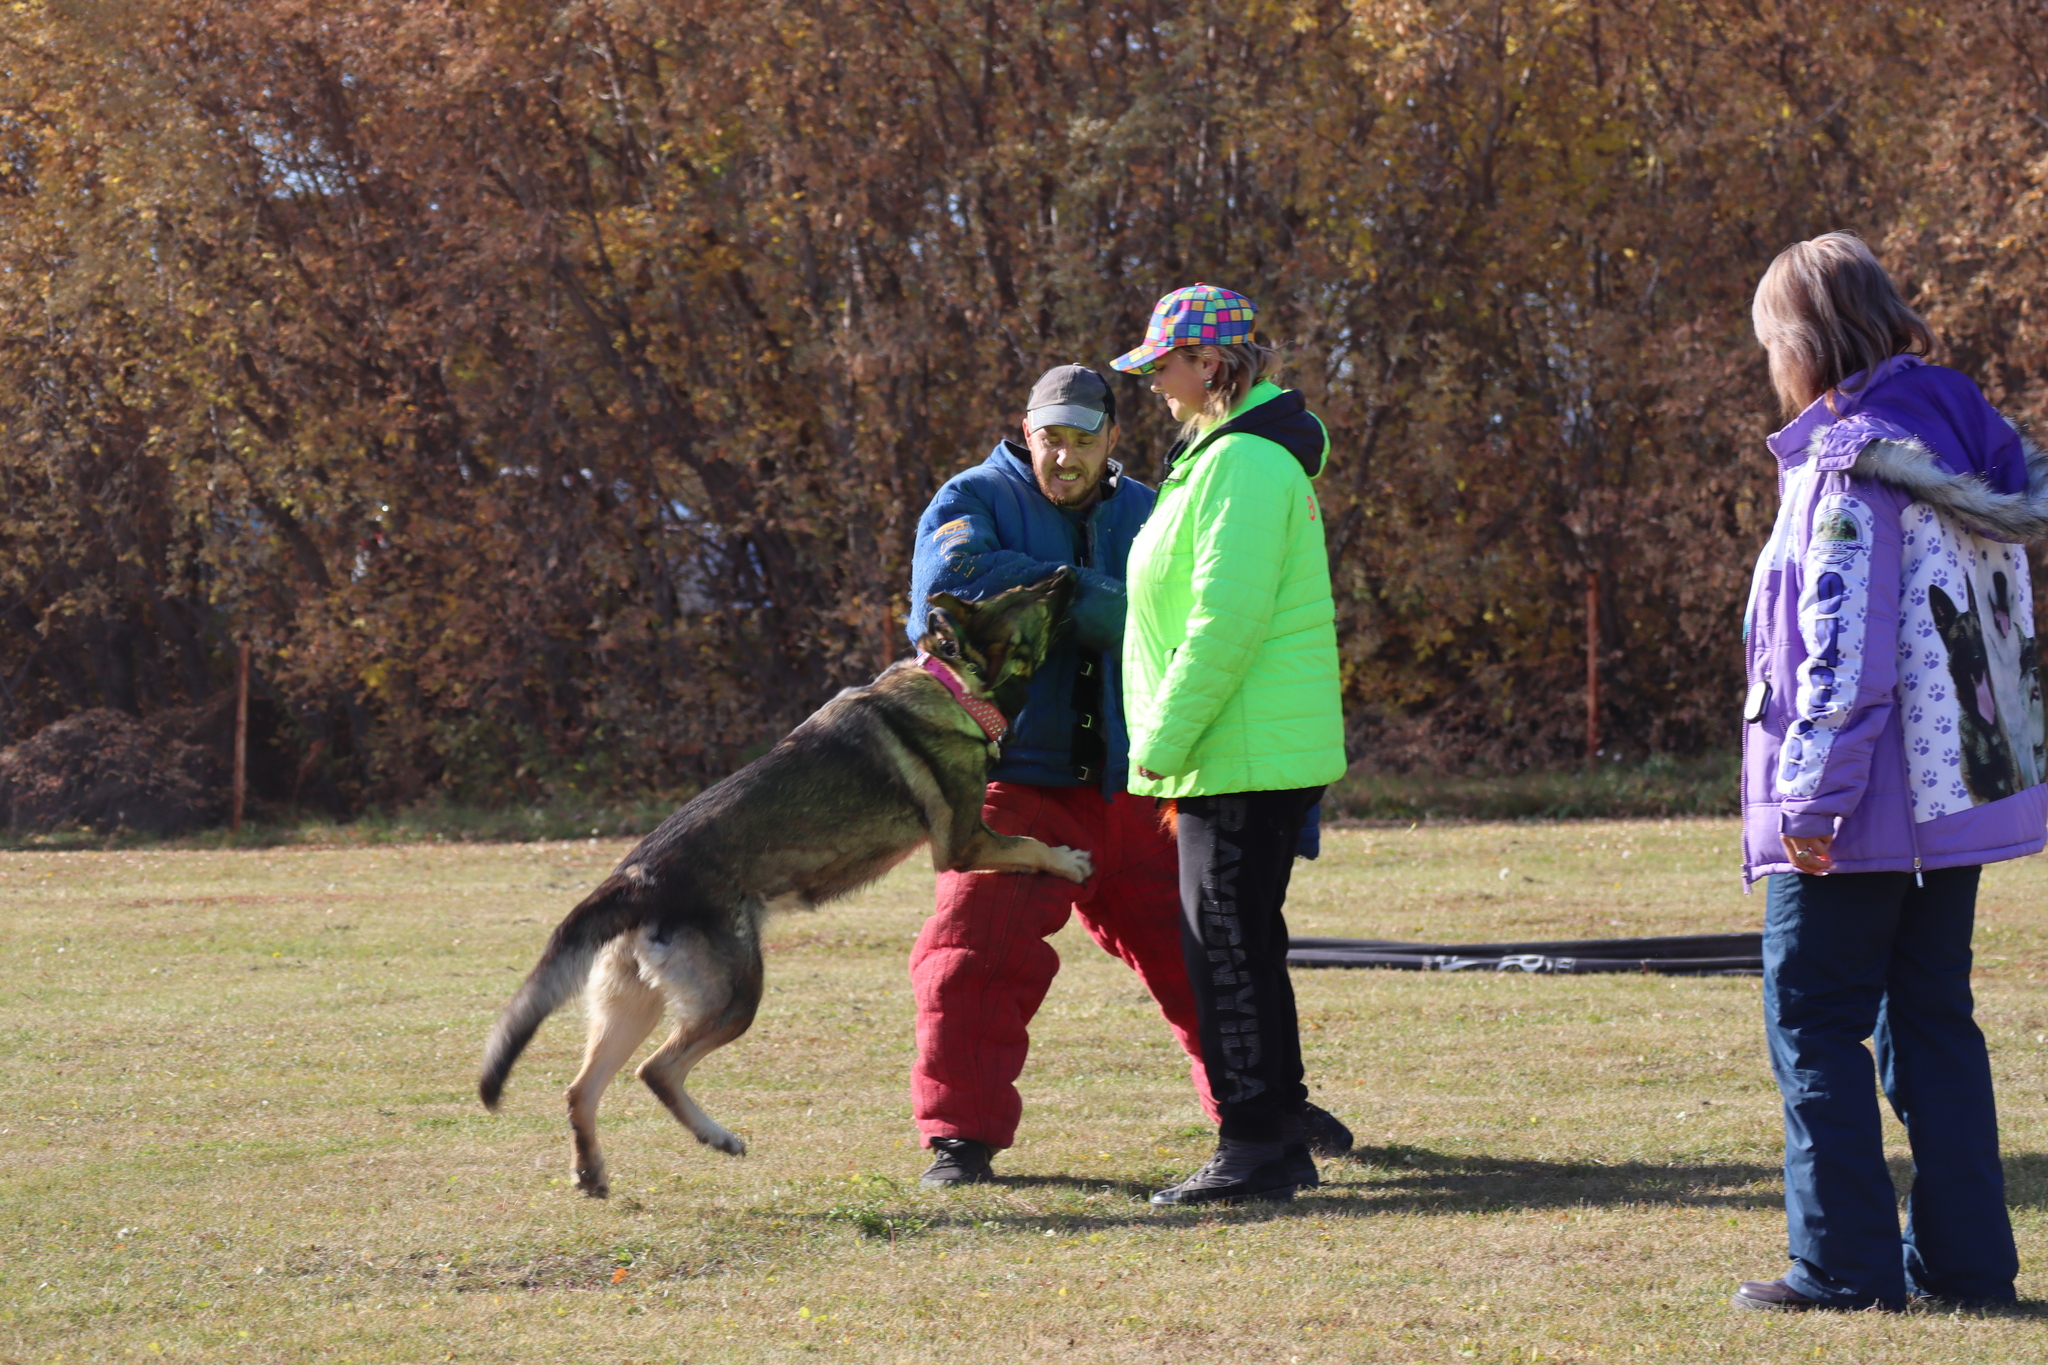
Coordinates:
<point>1767,606</point>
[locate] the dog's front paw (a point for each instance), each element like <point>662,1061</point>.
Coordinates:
<point>591,1180</point>
<point>720,1138</point>
<point>1072,863</point>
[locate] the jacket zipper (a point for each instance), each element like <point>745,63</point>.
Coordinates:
<point>1912,825</point>
<point>1740,778</point>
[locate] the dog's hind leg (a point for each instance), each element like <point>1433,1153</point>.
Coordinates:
<point>715,987</point>
<point>624,1008</point>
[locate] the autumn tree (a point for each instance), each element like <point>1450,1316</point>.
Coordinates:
<point>549,391</point>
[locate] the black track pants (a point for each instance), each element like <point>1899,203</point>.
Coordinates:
<point>1236,854</point>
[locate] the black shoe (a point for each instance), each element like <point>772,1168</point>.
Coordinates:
<point>1301,1164</point>
<point>1772,1296</point>
<point>960,1161</point>
<point>1241,1171</point>
<point>1327,1135</point>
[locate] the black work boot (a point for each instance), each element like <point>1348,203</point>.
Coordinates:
<point>1301,1165</point>
<point>1327,1135</point>
<point>960,1161</point>
<point>1241,1171</point>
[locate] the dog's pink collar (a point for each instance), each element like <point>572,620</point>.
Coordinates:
<point>985,714</point>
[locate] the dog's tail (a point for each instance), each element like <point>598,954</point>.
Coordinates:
<point>614,908</point>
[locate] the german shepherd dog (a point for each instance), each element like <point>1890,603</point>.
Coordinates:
<point>1989,772</point>
<point>846,796</point>
<point>2013,660</point>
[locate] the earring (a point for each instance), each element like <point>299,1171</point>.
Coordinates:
<point>1209,383</point>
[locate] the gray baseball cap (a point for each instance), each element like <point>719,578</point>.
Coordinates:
<point>1070,396</point>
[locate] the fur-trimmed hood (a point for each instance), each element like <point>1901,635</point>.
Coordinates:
<point>2019,518</point>
<point>1927,431</point>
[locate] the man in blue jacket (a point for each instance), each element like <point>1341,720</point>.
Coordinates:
<point>982,966</point>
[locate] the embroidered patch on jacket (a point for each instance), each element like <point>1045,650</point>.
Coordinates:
<point>952,533</point>
<point>1834,610</point>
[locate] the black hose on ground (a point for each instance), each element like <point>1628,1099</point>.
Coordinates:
<point>1685,955</point>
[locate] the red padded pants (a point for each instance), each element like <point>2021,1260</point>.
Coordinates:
<point>982,966</point>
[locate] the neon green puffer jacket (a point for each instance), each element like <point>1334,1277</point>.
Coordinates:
<point>1230,645</point>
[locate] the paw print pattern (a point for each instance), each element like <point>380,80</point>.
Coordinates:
<point>1935,551</point>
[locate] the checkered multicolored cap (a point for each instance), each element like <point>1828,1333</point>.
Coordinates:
<point>1199,315</point>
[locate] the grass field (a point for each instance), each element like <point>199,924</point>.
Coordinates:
<point>239,1125</point>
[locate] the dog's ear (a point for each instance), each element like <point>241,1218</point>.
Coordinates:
<point>1056,591</point>
<point>1065,584</point>
<point>1060,582</point>
<point>1040,622</point>
<point>1944,609</point>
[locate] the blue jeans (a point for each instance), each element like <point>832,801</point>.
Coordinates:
<point>1870,955</point>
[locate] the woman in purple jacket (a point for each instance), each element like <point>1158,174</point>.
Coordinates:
<point>1893,745</point>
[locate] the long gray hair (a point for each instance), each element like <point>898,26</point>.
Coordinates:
<point>1826,311</point>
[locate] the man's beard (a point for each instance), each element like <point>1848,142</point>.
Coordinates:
<point>1067,494</point>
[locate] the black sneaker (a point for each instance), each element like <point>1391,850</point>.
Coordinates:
<point>1241,1171</point>
<point>1301,1164</point>
<point>960,1161</point>
<point>1327,1135</point>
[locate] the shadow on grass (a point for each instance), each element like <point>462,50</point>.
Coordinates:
<point>1372,1182</point>
<point>1414,1179</point>
<point>1417,1180</point>
<point>2026,1179</point>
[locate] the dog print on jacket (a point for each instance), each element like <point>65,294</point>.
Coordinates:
<point>1988,769</point>
<point>1969,676</point>
<point>1833,613</point>
<point>2015,678</point>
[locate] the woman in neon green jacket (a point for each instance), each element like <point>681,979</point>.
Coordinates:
<point>1231,692</point>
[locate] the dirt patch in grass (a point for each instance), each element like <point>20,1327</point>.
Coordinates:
<point>239,1124</point>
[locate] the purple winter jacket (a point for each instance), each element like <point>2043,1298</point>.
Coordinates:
<point>1895,695</point>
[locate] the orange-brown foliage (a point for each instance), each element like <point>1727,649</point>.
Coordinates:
<point>550,390</point>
